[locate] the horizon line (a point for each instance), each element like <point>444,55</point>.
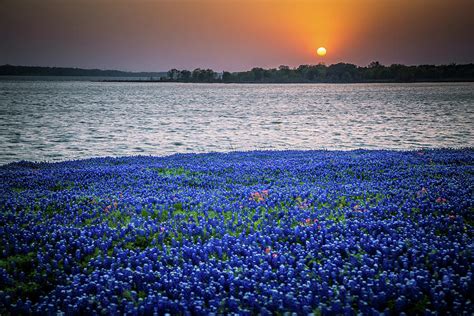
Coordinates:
<point>206,68</point>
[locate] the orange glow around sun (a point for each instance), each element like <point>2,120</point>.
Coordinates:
<point>233,35</point>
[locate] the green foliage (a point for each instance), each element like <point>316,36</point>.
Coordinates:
<point>172,171</point>
<point>140,242</point>
<point>52,209</point>
<point>21,262</point>
<point>85,261</point>
<point>24,288</point>
<point>127,295</point>
<point>118,218</point>
<point>342,202</point>
<point>18,189</point>
<point>61,186</point>
<point>419,307</point>
<point>337,217</point>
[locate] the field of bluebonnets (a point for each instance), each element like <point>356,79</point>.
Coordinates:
<point>256,232</point>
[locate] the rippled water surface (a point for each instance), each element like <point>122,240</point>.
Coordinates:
<point>58,120</point>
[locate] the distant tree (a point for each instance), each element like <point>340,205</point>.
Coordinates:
<point>374,64</point>
<point>226,76</point>
<point>305,73</point>
<point>173,74</point>
<point>403,73</point>
<point>320,72</point>
<point>341,72</point>
<point>208,75</point>
<point>185,75</point>
<point>257,74</point>
<point>196,75</point>
<point>374,70</point>
<point>203,75</point>
<point>346,77</point>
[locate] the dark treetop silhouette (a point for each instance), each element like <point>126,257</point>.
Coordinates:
<point>338,73</point>
<point>320,73</point>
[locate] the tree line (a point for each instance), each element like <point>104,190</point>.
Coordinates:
<point>10,70</point>
<point>336,73</point>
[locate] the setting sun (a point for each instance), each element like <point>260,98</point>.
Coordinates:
<point>321,51</point>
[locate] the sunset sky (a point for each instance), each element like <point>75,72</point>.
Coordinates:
<point>233,34</point>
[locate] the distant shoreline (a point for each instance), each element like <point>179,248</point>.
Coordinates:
<point>114,79</point>
<point>33,71</point>
<point>294,82</point>
<point>144,80</point>
<point>320,73</point>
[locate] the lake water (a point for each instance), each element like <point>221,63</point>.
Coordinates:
<point>59,120</point>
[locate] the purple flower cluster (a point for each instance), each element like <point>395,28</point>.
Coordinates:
<point>321,232</point>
